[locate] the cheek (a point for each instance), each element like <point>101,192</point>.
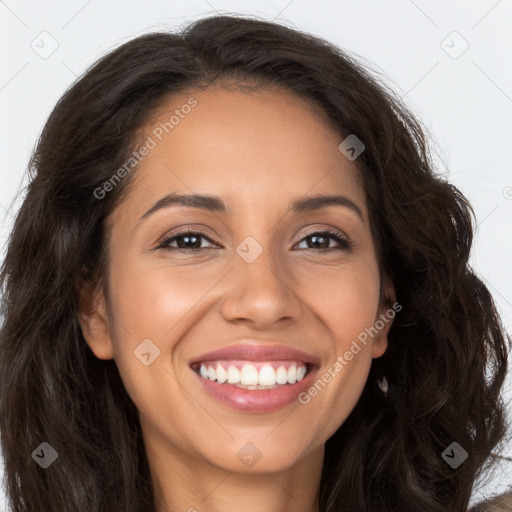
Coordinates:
<point>151,301</point>
<point>152,306</point>
<point>346,301</point>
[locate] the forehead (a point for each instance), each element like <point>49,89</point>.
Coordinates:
<point>254,148</point>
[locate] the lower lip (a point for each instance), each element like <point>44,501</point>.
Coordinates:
<point>258,400</point>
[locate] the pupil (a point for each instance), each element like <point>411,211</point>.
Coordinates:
<point>314,238</point>
<point>182,240</point>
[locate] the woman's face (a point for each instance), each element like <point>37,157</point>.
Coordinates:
<point>258,285</point>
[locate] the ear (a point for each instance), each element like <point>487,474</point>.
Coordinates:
<point>93,318</point>
<point>384,318</point>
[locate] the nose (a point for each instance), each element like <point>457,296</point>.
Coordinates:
<point>260,293</point>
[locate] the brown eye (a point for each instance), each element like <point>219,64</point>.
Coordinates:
<point>185,240</point>
<point>321,240</point>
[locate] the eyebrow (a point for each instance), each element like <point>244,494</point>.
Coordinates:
<point>217,205</point>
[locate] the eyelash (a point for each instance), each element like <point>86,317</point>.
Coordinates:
<point>344,243</point>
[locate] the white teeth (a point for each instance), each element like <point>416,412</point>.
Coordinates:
<point>292,374</point>
<point>267,375</point>
<point>281,375</point>
<point>233,375</point>
<point>221,374</point>
<point>211,373</point>
<point>250,377</point>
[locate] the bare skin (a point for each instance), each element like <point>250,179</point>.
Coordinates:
<point>259,152</point>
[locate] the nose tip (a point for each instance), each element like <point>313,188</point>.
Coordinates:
<point>257,293</point>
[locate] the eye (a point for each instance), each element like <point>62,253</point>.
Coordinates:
<point>186,239</point>
<point>320,240</point>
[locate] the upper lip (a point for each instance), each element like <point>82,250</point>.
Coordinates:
<point>252,352</point>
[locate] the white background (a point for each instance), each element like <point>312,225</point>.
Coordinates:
<point>464,102</point>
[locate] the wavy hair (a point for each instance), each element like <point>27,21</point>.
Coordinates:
<point>447,355</point>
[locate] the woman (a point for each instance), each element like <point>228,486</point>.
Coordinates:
<point>236,282</point>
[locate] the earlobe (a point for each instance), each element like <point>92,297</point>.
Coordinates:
<point>93,319</point>
<point>380,346</point>
<point>380,342</point>
<point>384,320</point>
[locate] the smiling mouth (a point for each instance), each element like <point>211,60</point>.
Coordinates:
<point>253,375</point>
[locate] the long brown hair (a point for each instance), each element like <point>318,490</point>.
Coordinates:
<point>447,355</point>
